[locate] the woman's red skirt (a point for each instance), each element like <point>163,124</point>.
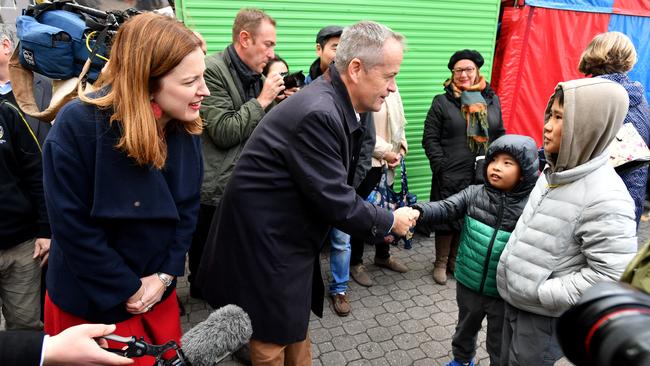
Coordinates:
<point>158,326</point>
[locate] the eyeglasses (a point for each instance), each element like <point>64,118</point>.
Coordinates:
<point>467,70</point>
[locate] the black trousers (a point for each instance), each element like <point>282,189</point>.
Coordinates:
<point>198,239</point>
<point>529,339</point>
<point>473,307</point>
<point>381,249</point>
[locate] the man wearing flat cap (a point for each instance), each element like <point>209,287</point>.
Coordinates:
<point>327,40</point>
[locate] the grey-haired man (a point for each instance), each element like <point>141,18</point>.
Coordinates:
<point>289,188</point>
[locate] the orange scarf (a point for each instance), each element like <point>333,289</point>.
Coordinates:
<point>474,111</point>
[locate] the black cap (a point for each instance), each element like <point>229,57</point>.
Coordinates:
<point>327,33</point>
<point>466,54</point>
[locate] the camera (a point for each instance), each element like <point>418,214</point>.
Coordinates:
<point>296,79</point>
<point>138,347</point>
<point>610,325</point>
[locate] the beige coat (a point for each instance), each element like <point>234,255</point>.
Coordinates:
<point>389,125</point>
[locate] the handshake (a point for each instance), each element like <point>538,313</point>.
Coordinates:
<point>404,218</point>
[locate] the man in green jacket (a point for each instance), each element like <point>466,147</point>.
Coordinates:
<point>239,98</point>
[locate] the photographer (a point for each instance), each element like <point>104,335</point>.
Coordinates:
<point>292,81</point>
<point>276,65</point>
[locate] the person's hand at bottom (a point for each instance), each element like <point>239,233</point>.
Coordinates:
<point>77,346</point>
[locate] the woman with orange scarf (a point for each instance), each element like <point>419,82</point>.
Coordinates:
<point>459,125</point>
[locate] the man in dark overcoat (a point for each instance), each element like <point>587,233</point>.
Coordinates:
<point>289,188</point>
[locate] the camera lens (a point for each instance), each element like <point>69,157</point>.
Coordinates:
<point>609,326</point>
<point>621,338</point>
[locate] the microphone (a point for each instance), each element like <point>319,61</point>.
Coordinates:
<point>222,333</point>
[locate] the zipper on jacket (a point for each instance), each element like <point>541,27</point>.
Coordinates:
<point>542,197</point>
<point>486,265</point>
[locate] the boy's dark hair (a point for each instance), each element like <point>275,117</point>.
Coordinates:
<point>504,151</point>
<point>522,149</point>
<point>507,152</point>
<point>559,96</point>
<point>275,59</point>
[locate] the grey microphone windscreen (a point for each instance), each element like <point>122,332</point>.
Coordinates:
<point>225,330</point>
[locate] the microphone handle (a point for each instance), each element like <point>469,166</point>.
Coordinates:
<point>227,354</point>
<point>120,339</point>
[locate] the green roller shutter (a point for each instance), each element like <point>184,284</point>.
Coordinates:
<point>434,29</point>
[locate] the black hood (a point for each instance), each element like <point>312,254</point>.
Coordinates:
<point>524,150</point>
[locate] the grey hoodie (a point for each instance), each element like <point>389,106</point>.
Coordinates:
<point>594,110</point>
<point>578,226</point>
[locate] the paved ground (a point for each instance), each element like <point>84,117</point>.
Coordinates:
<point>404,319</point>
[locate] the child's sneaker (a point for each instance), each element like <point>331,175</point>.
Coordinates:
<point>455,362</point>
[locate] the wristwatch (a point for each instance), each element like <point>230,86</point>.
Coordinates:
<point>165,278</point>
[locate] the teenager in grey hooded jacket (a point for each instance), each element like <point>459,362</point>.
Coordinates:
<point>578,227</point>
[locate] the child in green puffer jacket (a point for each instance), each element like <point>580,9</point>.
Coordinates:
<point>490,213</point>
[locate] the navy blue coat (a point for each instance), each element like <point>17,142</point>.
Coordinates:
<point>287,190</point>
<point>113,221</point>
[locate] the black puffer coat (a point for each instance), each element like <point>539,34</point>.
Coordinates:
<point>490,215</point>
<point>482,202</point>
<point>445,144</point>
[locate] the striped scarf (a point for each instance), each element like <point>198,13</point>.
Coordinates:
<point>474,110</point>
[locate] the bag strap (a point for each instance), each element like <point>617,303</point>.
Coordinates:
<point>29,128</point>
<point>35,10</point>
<point>405,185</point>
<point>101,39</point>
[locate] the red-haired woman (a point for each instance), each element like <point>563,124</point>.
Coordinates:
<point>122,172</point>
